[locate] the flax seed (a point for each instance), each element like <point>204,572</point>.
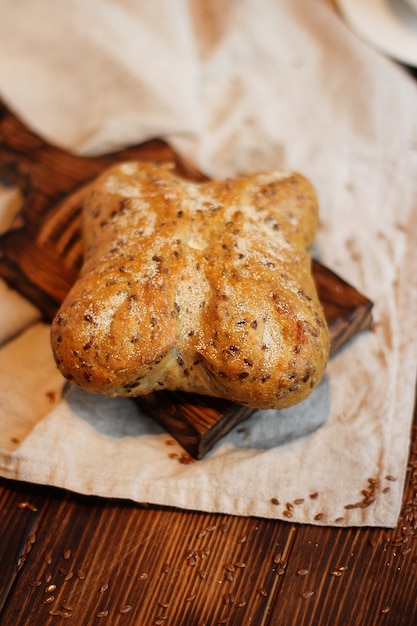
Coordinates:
<point>277,558</point>
<point>287,513</point>
<point>55,612</point>
<point>336,573</point>
<point>307,594</point>
<point>210,529</point>
<point>314,495</point>
<point>299,501</point>
<point>35,583</point>
<point>385,610</point>
<point>80,574</point>
<point>48,558</point>
<point>102,613</point>
<point>49,599</point>
<point>190,598</point>
<point>302,572</point>
<point>262,592</point>
<point>66,614</point>
<point>66,606</point>
<point>274,501</point>
<point>240,564</point>
<point>50,588</point>
<point>241,604</point>
<point>242,539</point>
<point>230,567</point>
<point>202,573</point>
<point>319,516</point>
<point>48,577</point>
<point>125,609</point>
<point>163,604</point>
<point>103,588</point>
<point>339,519</point>
<point>67,554</point>
<point>390,477</point>
<point>229,576</point>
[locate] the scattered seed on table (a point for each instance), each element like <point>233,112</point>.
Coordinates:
<point>48,577</point>
<point>391,477</point>
<point>274,501</point>
<point>50,588</point>
<point>229,576</point>
<point>66,614</point>
<point>49,599</point>
<point>69,575</point>
<point>66,606</point>
<point>125,609</point>
<point>302,572</point>
<point>277,558</point>
<point>335,573</point>
<point>228,598</point>
<point>319,516</point>
<point>262,592</point>
<point>80,574</point>
<point>242,539</point>
<point>299,501</point>
<point>103,588</point>
<point>202,573</point>
<point>241,604</point>
<point>67,554</point>
<point>35,583</point>
<point>306,594</point>
<point>48,558</point>
<point>240,564</point>
<point>55,612</point>
<point>339,519</point>
<point>385,609</point>
<point>163,604</point>
<point>229,567</point>
<point>191,597</point>
<point>210,529</point>
<point>314,495</point>
<point>287,513</point>
<point>102,613</point>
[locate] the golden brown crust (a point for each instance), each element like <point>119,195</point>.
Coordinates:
<point>200,287</point>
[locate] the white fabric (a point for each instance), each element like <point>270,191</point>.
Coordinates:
<point>234,89</point>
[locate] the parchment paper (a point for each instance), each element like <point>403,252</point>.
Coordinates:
<point>235,87</point>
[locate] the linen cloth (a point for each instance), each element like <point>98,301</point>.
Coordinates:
<point>235,87</point>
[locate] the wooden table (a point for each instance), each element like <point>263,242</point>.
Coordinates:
<point>90,560</point>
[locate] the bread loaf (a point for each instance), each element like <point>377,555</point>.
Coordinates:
<point>202,287</point>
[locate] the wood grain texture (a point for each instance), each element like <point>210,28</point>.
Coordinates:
<point>115,562</point>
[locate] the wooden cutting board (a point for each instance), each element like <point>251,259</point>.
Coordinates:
<point>41,255</point>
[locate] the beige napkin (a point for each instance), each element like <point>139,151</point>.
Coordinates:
<point>234,89</point>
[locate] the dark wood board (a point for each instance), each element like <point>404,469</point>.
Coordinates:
<point>41,255</point>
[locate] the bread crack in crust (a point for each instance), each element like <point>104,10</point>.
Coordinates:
<point>202,287</point>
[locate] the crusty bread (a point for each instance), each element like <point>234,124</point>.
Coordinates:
<point>203,287</point>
